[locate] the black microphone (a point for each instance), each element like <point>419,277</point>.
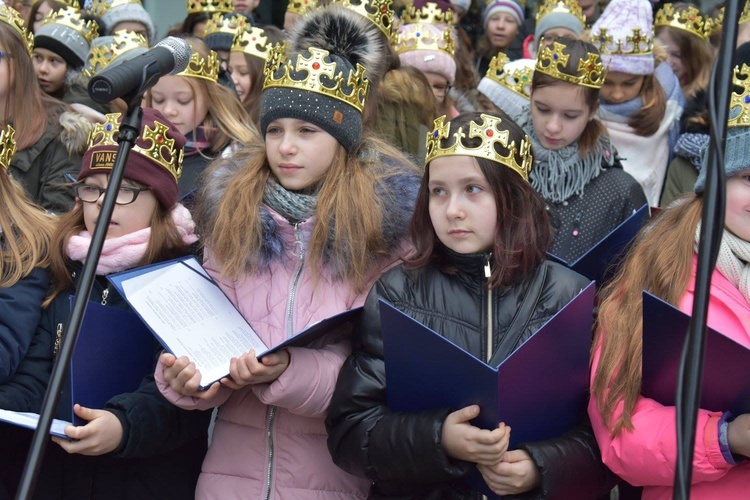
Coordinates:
<point>133,77</point>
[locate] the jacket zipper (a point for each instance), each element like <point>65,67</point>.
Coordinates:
<point>105,294</point>
<point>58,338</point>
<point>487,274</point>
<point>299,251</point>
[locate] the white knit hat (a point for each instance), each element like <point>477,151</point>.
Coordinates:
<point>624,35</point>
<point>119,11</point>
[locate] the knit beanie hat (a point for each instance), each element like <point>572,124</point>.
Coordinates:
<point>222,28</point>
<point>428,48</point>
<point>510,6</point>
<point>559,14</point>
<point>508,83</point>
<point>624,35</point>
<point>67,35</point>
<point>109,51</point>
<point>155,161</point>
<point>114,12</point>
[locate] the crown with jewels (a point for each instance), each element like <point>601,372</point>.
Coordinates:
<point>741,102</point>
<point>101,56</point>
<point>206,68</point>
<point>636,43</point>
<point>415,38</point>
<point>378,12</point>
<point>561,6</point>
<point>7,146</point>
<point>301,7</point>
<point>71,17</point>
<point>429,13</point>
<point>252,41</point>
<point>99,7</point>
<point>13,19</point>
<point>162,149</point>
<point>552,61</point>
<point>281,72</point>
<point>690,19</point>
<point>220,23</point>
<point>206,6</point>
<point>518,80</point>
<point>492,134</point>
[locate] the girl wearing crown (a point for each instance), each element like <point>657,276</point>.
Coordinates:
<point>295,228</point>
<point>576,170</point>
<point>637,434</point>
<point>465,250</point>
<point>138,446</point>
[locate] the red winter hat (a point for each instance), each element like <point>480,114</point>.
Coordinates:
<point>155,161</point>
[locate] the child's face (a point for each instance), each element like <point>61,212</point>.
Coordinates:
<point>299,153</point>
<point>240,74</point>
<point>439,84</point>
<point>621,87</point>
<point>50,70</point>
<point>462,206</point>
<point>133,26</point>
<point>737,217</point>
<point>126,219</point>
<point>559,114</point>
<point>674,55</point>
<point>174,97</point>
<point>502,28</point>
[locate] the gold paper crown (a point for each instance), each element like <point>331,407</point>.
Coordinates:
<point>419,37</point>
<point>636,43</point>
<point>301,7</point>
<point>551,62</point>
<point>741,78</point>
<point>690,19</point>
<point>745,14</point>
<point>429,13</point>
<point>252,41</point>
<point>99,7</point>
<point>101,56</point>
<point>378,12</point>
<point>561,6</point>
<point>199,6</point>
<point>492,133</point>
<point>518,80</point>
<point>202,67</point>
<point>314,68</point>
<point>713,24</point>
<point>71,3</point>
<point>13,19</point>
<point>7,146</point>
<point>162,149</point>
<point>220,23</point>
<point>71,17</point>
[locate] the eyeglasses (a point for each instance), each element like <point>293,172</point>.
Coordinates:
<point>441,89</point>
<point>88,193</point>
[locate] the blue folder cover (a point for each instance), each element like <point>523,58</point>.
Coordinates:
<point>726,379</point>
<point>598,264</point>
<point>424,370</point>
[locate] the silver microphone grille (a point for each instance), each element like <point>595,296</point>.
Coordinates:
<point>180,50</point>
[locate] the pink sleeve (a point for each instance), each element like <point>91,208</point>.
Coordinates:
<point>188,402</point>
<point>646,455</point>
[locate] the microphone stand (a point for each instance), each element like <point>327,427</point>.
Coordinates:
<point>129,132</point>
<point>712,228</point>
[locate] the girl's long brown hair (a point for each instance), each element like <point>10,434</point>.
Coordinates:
<point>647,120</point>
<point>696,55</point>
<point>660,262</point>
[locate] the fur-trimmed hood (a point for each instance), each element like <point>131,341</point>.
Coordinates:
<point>75,132</point>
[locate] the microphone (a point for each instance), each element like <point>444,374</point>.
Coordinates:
<point>137,75</point>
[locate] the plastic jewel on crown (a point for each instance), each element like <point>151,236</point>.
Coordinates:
<point>430,13</point>
<point>378,12</point>
<point>740,102</point>
<point>7,146</point>
<point>101,56</point>
<point>301,7</point>
<point>561,6</point>
<point>71,17</point>
<point>518,80</point>
<point>207,6</point>
<point>552,62</point>
<point>202,67</point>
<point>415,37</point>
<point>280,72</point>
<point>690,19</point>
<point>99,7</point>
<point>13,19</point>
<point>231,25</point>
<point>492,134</point>
<point>252,41</point>
<point>636,43</point>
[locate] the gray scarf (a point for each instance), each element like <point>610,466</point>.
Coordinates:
<point>293,206</point>
<point>559,174</point>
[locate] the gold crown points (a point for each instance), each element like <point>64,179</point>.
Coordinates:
<point>220,23</point>
<point>636,43</point>
<point>71,3</point>
<point>713,24</point>
<point>101,56</point>
<point>492,133</point>
<point>206,68</point>
<point>302,7</point>
<point>314,68</point>
<point>561,6</point>
<point>99,7</point>
<point>378,12</point>
<point>252,41</point>
<point>418,37</point>
<point>71,17</point>
<point>162,149</point>
<point>740,78</point>
<point>744,15</point>
<point>7,146</point>
<point>429,13</point>
<point>518,80</point>
<point>13,19</point>
<point>199,6</point>
<point>690,19</point>
<point>551,62</point>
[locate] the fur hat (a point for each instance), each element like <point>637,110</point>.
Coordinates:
<point>619,19</point>
<point>511,7</point>
<point>58,34</point>
<point>117,12</point>
<point>427,61</point>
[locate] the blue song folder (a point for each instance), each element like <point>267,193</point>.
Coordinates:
<point>540,390</point>
<point>599,263</point>
<point>726,378</point>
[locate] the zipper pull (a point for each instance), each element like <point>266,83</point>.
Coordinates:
<point>299,245</point>
<point>105,294</point>
<point>487,269</point>
<point>58,338</point>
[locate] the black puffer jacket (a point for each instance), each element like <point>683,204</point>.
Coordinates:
<point>401,453</point>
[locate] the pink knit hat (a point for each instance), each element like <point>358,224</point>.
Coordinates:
<point>624,35</point>
<point>428,48</point>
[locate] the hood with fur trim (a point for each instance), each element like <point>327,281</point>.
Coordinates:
<point>75,132</point>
